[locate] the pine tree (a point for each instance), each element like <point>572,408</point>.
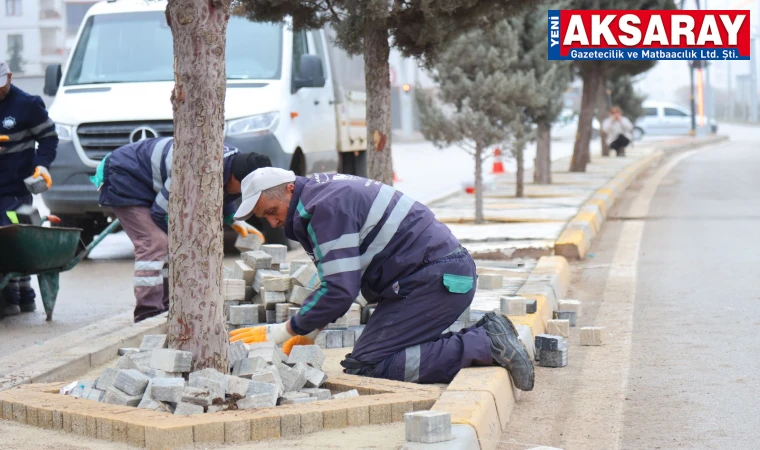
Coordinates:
<point>482,98</point>
<point>196,304</point>
<point>417,28</point>
<point>596,73</point>
<point>16,61</point>
<point>552,78</point>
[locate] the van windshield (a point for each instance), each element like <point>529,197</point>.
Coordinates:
<point>138,47</point>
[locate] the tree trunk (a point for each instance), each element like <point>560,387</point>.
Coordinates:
<point>378,82</point>
<point>542,172</point>
<point>520,174</point>
<point>479,184</point>
<point>196,311</point>
<point>602,110</point>
<point>581,153</point>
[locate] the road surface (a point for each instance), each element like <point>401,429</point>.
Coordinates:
<point>673,278</point>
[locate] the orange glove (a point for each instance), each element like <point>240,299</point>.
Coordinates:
<point>4,138</point>
<point>292,342</point>
<point>244,229</point>
<point>277,333</point>
<point>41,171</point>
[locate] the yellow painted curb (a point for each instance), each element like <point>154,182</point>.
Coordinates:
<point>477,409</point>
<point>490,380</point>
<point>575,240</point>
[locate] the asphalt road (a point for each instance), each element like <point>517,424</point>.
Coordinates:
<point>673,278</point>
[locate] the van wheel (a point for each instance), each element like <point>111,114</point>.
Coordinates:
<point>298,163</point>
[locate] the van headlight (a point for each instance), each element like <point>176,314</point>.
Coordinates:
<point>259,124</point>
<point>65,132</point>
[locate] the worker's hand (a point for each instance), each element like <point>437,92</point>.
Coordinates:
<point>277,333</point>
<point>244,229</point>
<point>41,171</point>
<point>299,340</point>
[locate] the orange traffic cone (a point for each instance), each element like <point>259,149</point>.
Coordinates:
<point>396,179</point>
<point>498,165</point>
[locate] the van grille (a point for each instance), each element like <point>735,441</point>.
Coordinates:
<point>99,139</point>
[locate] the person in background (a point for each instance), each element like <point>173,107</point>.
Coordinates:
<point>618,131</point>
<point>134,181</point>
<point>24,125</point>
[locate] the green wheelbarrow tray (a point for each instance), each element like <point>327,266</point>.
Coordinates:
<point>45,252</point>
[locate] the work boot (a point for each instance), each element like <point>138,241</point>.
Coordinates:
<point>11,299</point>
<point>507,350</point>
<point>26,295</point>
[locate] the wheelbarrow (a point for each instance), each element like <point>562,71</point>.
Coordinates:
<point>44,252</point>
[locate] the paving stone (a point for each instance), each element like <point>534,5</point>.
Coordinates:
<point>116,397</point>
<point>357,416</point>
<point>249,294</point>
<point>360,300</point>
<point>242,271</point>
<point>266,351</point>
<point>261,275</point>
<point>80,386</point>
<point>427,427</point>
<point>513,306</point>
<point>314,377</point>
<point>307,277</point>
<point>351,318</point>
<point>272,390</point>
<point>237,385</point>
<point>531,306</point>
<point>358,330</point>
<point>278,252</point>
<point>155,405</point>
<point>558,327</point>
<point>188,409</point>
<point>319,394</point>
<point>269,299</point>
<point>570,305</point>
<point>157,373</point>
<point>525,335</point>
<point>171,360</point>
<point>292,311</point>
<point>293,395</point>
<point>349,336</point>
<point>106,378</point>
<point>154,341</point>
<point>333,338</point>
<point>380,413</point>
<point>197,396</point>
<point>214,408</point>
<point>216,388</point>
<point>570,316</point>
<point>347,394</point>
<point>243,314</point>
<point>252,242</point>
<point>464,437</point>
<point>167,389</point>
<point>276,284</point>
<point>268,375</point>
<point>490,281</point>
<point>290,425</point>
<point>321,340</point>
<point>211,373</point>
<point>237,352</point>
<point>256,401</point>
<point>548,342</point>
<point>233,289</point>
<point>271,316</point>
<point>298,263</point>
<point>292,379</point>
<point>308,354</point>
<point>237,431</point>
<point>281,312</point>
<point>127,350</point>
<point>94,394</point>
<point>554,358</point>
<point>131,382</point>
<point>592,336</point>
<point>311,421</point>
<point>257,259</point>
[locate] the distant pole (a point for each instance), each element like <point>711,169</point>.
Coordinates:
<point>691,98</point>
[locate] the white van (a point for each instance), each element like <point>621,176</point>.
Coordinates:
<point>290,95</point>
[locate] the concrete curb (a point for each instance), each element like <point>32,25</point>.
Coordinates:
<point>575,240</point>
<point>80,359</point>
<point>483,397</point>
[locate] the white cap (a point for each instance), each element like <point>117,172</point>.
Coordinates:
<point>260,180</point>
<point>4,71</point>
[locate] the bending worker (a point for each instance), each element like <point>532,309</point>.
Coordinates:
<point>134,181</point>
<point>24,122</point>
<point>366,236</point>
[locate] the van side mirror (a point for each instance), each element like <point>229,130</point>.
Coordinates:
<point>53,76</point>
<point>311,74</point>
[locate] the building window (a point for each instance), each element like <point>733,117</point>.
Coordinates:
<point>15,53</point>
<point>12,8</point>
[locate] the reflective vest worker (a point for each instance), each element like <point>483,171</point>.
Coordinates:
<point>368,237</point>
<point>134,181</point>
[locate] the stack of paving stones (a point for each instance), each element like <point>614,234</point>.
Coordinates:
<point>262,288</point>
<point>157,378</point>
<point>551,350</point>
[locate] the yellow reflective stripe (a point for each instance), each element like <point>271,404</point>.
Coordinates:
<point>12,215</point>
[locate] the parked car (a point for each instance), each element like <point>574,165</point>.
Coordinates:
<point>662,118</point>
<point>291,95</point>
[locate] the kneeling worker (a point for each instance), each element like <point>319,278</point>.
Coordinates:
<point>134,181</point>
<point>366,236</point>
